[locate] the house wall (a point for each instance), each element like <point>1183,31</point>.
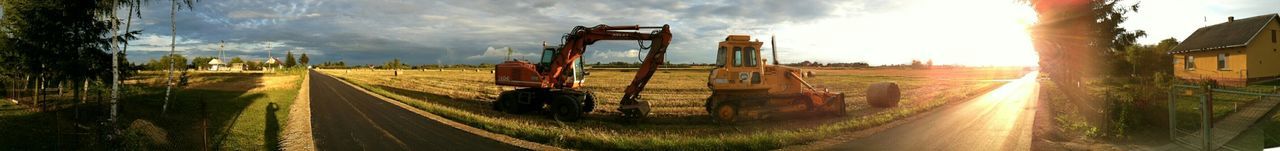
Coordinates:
<point>1206,66</point>
<point>1264,55</point>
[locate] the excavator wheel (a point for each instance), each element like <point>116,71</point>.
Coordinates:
<point>588,103</point>
<point>726,112</point>
<point>506,102</point>
<point>565,108</point>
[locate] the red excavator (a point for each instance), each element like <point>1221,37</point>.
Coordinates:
<point>552,82</point>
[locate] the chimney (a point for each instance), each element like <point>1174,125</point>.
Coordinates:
<point>1231,19</point>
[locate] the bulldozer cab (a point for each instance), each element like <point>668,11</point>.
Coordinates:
<point>738,64</point>
<point>576,71</point>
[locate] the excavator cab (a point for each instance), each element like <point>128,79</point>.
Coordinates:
<point>577,72</point>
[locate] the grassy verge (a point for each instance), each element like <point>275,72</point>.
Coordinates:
<point>674,127</point>
<point>249,119</point>
<point>231,111</point>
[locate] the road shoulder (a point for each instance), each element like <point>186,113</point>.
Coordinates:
<point>476,131</point>
<point>297,135</point>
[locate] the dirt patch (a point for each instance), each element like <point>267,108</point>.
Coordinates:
<point>278,82</point>
<point>297,135</point>
<point>234,81</point>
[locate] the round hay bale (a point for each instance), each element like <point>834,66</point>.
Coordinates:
<point>810,74</point>
<point>884,94</point>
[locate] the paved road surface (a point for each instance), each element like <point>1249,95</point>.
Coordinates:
<point>998,120</point>
<point>345,118</point>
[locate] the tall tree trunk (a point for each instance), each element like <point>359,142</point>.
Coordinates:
<point>35,97</point>
<point>84,93</point>
<point>115,74</point>
<point>173,41</point>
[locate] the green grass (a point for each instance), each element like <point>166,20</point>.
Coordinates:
<point>611,135</point>
<point>236,120</point>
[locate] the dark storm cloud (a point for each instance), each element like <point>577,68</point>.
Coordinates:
<point>455,31</point>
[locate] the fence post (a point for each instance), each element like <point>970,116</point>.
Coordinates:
<point>1173,116</point>
<point>1206,120</point>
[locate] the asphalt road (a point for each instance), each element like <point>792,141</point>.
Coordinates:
<point>999,120</point>
<point>344,118</point>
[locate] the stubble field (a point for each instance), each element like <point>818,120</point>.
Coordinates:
<point>678,120</point>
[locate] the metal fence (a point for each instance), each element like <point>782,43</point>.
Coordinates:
<point>1193,125</point>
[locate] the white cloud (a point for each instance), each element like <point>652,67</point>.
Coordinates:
<point>631,55</point>
<point>501,53</point>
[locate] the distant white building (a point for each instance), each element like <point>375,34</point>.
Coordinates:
<point>271,64</point>
<point>216,65</point>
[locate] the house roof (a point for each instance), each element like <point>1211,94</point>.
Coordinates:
<point>215,61</point>
<point>272,60</point>
<point>1229,34</point>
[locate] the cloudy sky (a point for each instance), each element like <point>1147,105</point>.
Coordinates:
<point>988,32</point>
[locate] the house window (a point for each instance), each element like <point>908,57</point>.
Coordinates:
<point>1273,36</point>
<point>1189,62</point>
<point>1222,61</point>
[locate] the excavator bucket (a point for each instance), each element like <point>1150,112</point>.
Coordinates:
<point>639,109</point>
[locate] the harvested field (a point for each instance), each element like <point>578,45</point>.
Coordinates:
<point>678,120</point>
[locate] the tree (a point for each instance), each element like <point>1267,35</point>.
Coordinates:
<point>289,61</point>
<point>173,46</point>
<point>1082,41</point>
<point>118,56</point>
<point>163,62</point>
<point>56,42</point>
<point>201,62</point>
<point>253,65</point>
<point>237,60</point>
<point>393,64</point>
<point>304,60</point>
<point>929,64</point>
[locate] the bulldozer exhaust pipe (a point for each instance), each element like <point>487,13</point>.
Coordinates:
<point>774,46</point>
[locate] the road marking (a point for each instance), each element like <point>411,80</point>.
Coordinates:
<point>367,119</point>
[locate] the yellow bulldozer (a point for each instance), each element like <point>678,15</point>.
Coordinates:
<point>745,87</point>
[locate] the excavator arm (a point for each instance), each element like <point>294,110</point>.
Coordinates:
<point>576,41</point>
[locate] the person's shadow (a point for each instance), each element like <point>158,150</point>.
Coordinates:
<point>272,131</point>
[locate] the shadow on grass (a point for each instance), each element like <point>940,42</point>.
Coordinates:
<point>199,119</point>
<point>272,127</point>
<point>24,129</point>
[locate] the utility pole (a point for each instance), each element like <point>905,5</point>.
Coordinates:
<point>221,45</point>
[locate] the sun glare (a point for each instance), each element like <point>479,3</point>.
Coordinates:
<point>989,33</point>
